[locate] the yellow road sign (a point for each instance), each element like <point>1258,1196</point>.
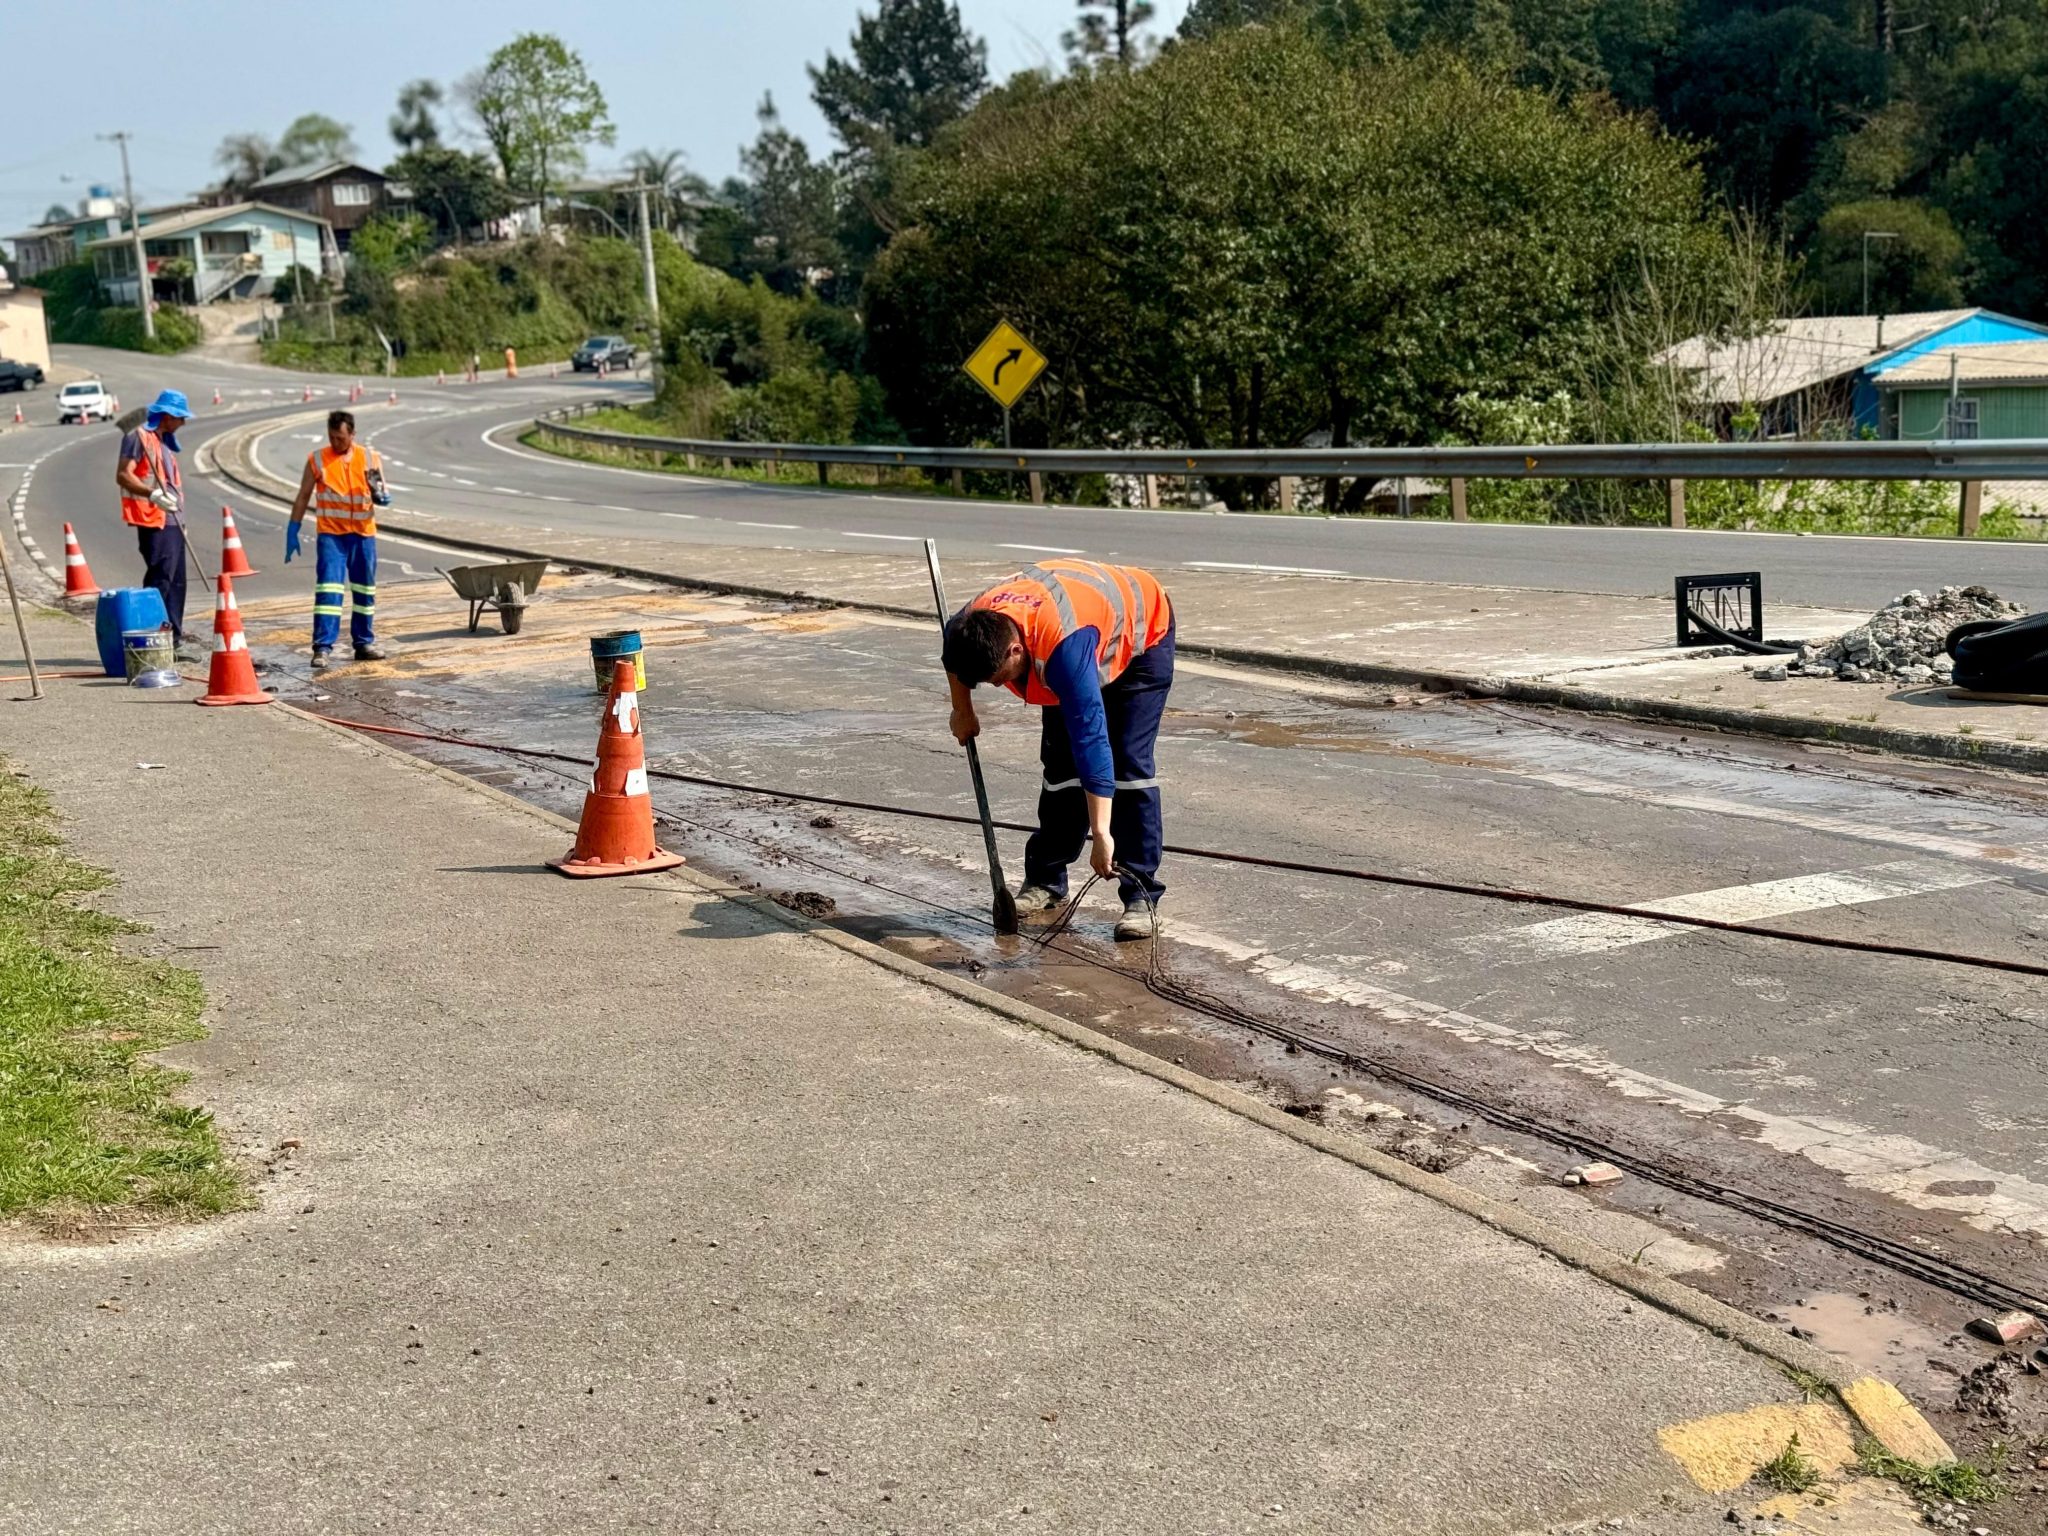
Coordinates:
<point>1006,364</point>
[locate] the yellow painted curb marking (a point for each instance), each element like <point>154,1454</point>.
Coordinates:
<point>1897,1425</point>
<point>1724,1451</point>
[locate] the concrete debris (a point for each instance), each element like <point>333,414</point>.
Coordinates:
<point>1903,640</point>
<point>1594,1174</point>
<point>1772,674</point>
<point>809,903</point>
<point>2006,1328</point>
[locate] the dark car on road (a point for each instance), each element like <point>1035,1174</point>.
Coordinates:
<point>611,352</point>
<point>20,375</point>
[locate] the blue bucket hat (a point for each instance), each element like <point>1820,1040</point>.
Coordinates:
<point>171,402</point>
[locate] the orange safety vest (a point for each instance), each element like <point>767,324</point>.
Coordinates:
<point>140,511</point>
<point>1050,600</point>
<point>341,489</point>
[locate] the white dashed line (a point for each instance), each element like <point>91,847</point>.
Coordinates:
<point>1040,549</point>
<point>785,527</point>
<point>688,517</point>
<point>1264,570</point>
<point>894,538</point>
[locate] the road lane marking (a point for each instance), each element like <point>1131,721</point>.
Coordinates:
<point>460,481</point>
<point>1264,570</point>
<point>1040,549</point>
<point>506,490</point>
<point>894,538</point>
<point>1592,933</point>
<point>688,517</point>
<point>785,527</point>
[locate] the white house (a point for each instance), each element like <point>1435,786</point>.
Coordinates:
<point>234,252</point>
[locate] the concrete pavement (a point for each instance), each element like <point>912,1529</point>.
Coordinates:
<point>622,1206</point>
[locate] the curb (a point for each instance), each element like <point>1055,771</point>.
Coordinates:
<point>1874,1405</point>
<point>2017,756</point>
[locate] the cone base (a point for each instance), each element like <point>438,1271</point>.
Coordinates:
<point>246,571</point>
<point>82,592</point>
<point>592,869</point>
<point>233,698</point>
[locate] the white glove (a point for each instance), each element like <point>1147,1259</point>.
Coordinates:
<point>163,498</point>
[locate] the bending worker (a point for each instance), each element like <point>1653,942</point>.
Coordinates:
<point>152,500</point>
<point>1092,645</point>
<point>344,484</point>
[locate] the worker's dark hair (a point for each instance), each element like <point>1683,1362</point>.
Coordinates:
<point>976,644</point>
<point>341,419</point>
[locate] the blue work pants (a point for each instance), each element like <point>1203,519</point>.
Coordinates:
<point>345,567</point>
<point>1133,705</point>
<point>163,567</point>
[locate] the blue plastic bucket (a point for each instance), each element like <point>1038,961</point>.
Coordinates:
<point>121,610</point>
<point>619,645</point>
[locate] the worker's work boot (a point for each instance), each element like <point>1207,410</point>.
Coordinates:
<point>323,657</point>
<point>1036,898</point>
<point>1140,921</point>
<point>371,653</point>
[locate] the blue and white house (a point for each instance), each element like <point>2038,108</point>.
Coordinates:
<point>213,253</point>
<point>1822,377</point>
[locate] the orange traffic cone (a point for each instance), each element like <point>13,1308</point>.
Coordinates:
<point>19,419</point>
<point>305,393</point>
<point>234,560</point>
<point>216,394</point>
<point>394,398</point>
<point>440,376</point>
<point>232,677</point>
<point>78,580</point>
<point>616,834</point>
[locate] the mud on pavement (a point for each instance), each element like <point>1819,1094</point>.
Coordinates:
<point>747,692</point>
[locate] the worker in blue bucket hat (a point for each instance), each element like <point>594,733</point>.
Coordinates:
<point>153,500</point>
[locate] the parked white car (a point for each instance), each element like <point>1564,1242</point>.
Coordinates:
<point>87,400</point>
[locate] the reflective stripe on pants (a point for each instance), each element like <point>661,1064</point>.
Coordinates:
<point>1132,706</point>
<point>346,567</point>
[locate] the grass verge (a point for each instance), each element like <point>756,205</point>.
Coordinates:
<point>89,1131</point>
<point>1790,1471</point>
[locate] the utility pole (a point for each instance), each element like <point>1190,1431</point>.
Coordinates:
<point>647,258</point>
<point>135,234</point>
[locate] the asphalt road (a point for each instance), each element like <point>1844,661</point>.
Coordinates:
<point>454,449</point>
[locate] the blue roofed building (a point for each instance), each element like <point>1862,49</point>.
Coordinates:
<point>1822,376</point>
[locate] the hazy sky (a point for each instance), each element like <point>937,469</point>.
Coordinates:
<point>681,75</point>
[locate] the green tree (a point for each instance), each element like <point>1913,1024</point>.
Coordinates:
<point>915,68</point>
<point>312,139</point>
<point>56,213</point>
<point>1920,269</point>
<point>1254,239</point>
<point>683,194</point>
<point>413,125</point>
<point>1109,31</point>
<point>783,213</point>
<point>458,191</point>
<point>1987,140</point>
<point>540,111</point>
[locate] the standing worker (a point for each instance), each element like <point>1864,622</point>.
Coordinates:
<point>344,484</point>
<point>1092,645</point>
<point>152,500</point>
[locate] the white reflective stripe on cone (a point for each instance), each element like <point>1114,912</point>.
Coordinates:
<point>73,557</point>
<point>235,642</point>
<point>224,602</point>
<point>625,711</point>
<point>636,781</point>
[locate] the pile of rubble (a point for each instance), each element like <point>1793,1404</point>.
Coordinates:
<point>1902,642</point>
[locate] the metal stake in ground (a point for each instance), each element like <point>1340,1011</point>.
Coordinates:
<point>35,682</point>
<point>1005,916</point>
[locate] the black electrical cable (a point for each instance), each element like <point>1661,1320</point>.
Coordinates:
<point>1259,861</point>
<point>1942,1274</point>
<point>1743,642</point>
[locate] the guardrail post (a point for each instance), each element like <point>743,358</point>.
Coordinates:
<point>1151,493</point>
<point>689,460</point>
<point>1674,491</point>
<point>726,464</point>
<point>1459,512</point>
<point>1287,484</point>
<point>1037,488</point>
<point>1971,513</point>
<point>824,473</point>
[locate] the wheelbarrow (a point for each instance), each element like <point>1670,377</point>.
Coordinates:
<point>500,589</point>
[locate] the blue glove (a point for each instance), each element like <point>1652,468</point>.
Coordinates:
<point>291,541</point>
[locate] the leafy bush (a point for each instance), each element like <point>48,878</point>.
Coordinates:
<point>78,315</point>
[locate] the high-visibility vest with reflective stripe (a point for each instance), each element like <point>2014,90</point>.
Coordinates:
<point>140,511</point>
<point>341,489</point>
<point>1049,601</point>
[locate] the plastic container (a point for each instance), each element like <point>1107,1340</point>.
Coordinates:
<point>619,645</point>
<point>150,658</point>
<point>118,611</point>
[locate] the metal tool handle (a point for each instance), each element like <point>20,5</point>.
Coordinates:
<point>1005,903</point>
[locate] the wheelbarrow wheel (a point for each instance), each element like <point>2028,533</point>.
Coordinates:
<point>510,619</point>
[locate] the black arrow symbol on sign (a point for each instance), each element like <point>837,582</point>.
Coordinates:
<point>1015,354</point>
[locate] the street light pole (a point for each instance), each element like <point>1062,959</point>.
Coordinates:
<point>1868,236</point>
<point>135,235</point>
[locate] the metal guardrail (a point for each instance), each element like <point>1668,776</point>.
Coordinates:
<point>1968,464</point>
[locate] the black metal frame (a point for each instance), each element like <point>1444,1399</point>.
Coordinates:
<point>1734,601</point>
